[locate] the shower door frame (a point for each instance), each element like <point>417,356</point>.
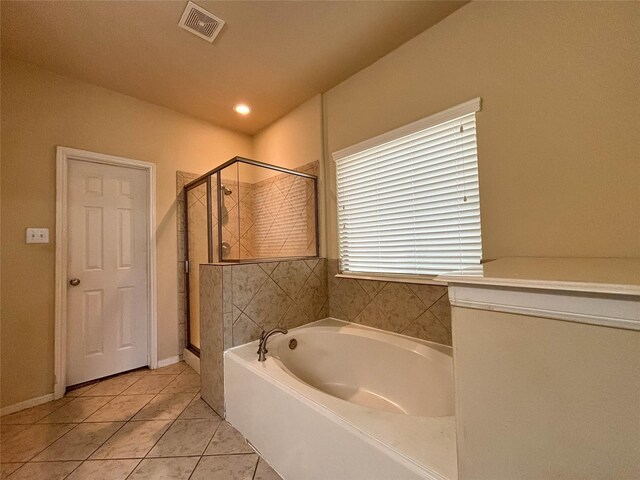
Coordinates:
<point>207,178</point>
<point>202,180</point>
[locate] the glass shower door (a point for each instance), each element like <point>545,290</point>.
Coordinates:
<point>198,224</point>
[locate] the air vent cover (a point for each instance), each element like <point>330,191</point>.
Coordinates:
<point>198,21</point>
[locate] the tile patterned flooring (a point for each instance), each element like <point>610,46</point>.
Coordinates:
<point>136,426</point>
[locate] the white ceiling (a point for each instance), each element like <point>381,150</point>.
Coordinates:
<point>273,55</point>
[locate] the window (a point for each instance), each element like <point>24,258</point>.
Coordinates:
<point>408,200</point>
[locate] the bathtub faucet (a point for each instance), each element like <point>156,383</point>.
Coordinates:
<point>264,336</point>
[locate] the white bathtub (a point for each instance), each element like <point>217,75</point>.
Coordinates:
<point>349,402</point>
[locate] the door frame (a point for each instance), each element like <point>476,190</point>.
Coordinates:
<point>63,155</point>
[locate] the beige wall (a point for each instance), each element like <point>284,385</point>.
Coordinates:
<point>559,152</point>
<point>41,110</point>
<point>294,140</point>
<point>539,398</point>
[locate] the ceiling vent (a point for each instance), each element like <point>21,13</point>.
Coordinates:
<point>198,21</point>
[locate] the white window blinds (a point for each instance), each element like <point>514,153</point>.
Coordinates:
<point>408,201</point>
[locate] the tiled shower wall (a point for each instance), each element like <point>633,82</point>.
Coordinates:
<point>421,311</point>
<point>272,218</point>
<point>283,216</point>
<point>237,212</point>
<point>238,301</point>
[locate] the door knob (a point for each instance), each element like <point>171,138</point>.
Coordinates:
<point>74,282</point>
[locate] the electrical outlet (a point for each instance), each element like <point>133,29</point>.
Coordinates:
<point>37,235</point>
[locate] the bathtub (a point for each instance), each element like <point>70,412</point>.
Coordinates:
<point>347,402</point>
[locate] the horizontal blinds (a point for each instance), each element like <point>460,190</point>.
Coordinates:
<point>411,205</point>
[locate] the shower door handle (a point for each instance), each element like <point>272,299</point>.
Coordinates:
<point>74,282</point>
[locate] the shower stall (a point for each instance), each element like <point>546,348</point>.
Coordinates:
<point>246,211</point>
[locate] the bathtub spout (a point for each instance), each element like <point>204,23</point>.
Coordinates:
<point>264,336</point>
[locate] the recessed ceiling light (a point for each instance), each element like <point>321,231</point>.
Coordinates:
<point>242,109</point>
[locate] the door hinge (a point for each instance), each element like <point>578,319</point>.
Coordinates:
<point>186,266</point>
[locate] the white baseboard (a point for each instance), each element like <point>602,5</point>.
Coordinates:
<point>168,361</point>
<point>32,402</point>
<point>191,359</point>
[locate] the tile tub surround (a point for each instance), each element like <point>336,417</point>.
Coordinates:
<point>421,311</point>
<point>238,301</point>
<point>172,434</point>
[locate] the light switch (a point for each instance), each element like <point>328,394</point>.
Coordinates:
<point>37,235</point>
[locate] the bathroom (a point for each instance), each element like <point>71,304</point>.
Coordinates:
<point>491,332</point>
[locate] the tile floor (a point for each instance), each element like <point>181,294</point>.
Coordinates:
<point>137,426</point>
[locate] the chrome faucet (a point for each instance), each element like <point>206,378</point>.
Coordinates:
<point>264,336</point>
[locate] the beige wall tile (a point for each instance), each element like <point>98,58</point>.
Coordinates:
<point>219,281</point>
<point>428,327</point>
<point>351,298</point>
<point>245,330</point>
<point>420,311</point>
<point>371,287</point>
<point>428,294</point>
<point>269,305</point>
<point>246,280</point>
<point>442,310</point>
<point>373,316</point>
<point>399,304</point>
<point>291,275</point>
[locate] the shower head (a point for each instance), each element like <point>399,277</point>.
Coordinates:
<point>226,190</point>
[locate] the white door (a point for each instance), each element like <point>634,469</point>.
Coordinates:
<point>107,308</point>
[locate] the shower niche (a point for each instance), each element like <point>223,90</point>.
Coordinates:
<point>246,211</point>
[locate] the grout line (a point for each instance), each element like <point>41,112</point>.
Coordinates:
<point>168,428</point>
<point>195,468</point>
<point>213,436</point>
<point>50,443</point>
<point>234,454</point>
<point>99,446</point>
<point>255,469</point>
<point>134,468</point>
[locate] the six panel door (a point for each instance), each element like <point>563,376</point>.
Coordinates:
<point>107,267</point>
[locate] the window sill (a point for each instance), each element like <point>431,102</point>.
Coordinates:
<point>394,278</point>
